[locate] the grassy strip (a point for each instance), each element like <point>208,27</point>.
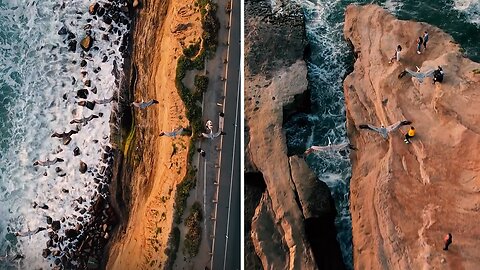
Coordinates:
<point>210,25</point>
<point>194,234</point>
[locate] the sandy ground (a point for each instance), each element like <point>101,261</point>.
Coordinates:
<point>161,163</point>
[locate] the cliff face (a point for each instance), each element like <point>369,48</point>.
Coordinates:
<point>274,73</point>
<point>406,197</point>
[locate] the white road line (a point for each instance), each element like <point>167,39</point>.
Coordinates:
<point>231,173</point>
<point>205,195</point>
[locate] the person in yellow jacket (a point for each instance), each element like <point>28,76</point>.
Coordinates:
<point>410,133</point>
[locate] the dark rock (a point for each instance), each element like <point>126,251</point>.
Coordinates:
<point>76,152</point>
<point>65,190</point>
<point>80,219</point>
<point>88,83</point>
<point>100,11</point>
<point>50,243</point>
<point>83,211</point>
<point>105,59</point>
<point>83,167</point>
<point>43,206</point>
<point>105,37</point>
<point>46,252</point>
<point>57,261</point>
<point>88,32</point>
<point>49,220</point>
<point>94,90</point>
<point>66,140</point>
<point>45,174</point>
<point>74,80</point>
<point>70,35</point>
<point>93,8</point>
<point>83,63</point>
<point>65,96</point>
<point>107,20</point>
<point>86,43</point>
<point>71,233</point>
<point>72,45</point>
<point>63,30</point>
<point>56,253</point>
<point>56,225</point>
<point>82,93</point>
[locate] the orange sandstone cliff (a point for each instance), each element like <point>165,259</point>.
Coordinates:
<point>290,201</point>
<point>406,197</point>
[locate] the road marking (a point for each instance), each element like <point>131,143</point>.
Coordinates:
<point>231,173</point>
<point>205,195</point>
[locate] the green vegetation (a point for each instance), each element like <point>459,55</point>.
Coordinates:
<point>192,50</point>
<point>194,234</point>
<point>172,247</point>
<point>201,83</point>
<point>192,103</point>
<point>476,71</point>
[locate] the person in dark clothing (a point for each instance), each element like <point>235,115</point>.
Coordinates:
<point>425,39</point>
<point>447,241</point>
<point>438,75</point>
<point>419,44</point>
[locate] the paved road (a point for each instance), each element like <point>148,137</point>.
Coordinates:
<point>227,235</point>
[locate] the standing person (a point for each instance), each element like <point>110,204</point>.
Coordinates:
<point>425,39</point>
<point>396,56</point>
<point>447,241</point>
<point>410,133</point>
<point>419,44</point>
<point>438,75</point>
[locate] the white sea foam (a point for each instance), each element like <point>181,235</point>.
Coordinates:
<point>36,71</point>
<point>471,8</point>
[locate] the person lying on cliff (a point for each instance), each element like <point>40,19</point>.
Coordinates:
<point>385,130</point>
<point>174,133</point>
<point>47,162</point>
<point>447,240</point>
<point>396,56</point>
<point>330,148</point>
<point>85,120</point>
<point>420,76</point>
<point>410,133</point>
<point>438,75</point>
<point>143,105</point>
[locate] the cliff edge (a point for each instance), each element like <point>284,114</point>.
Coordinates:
<point>406,197</point>
<point>293,201</point>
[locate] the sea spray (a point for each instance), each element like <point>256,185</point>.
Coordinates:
<point>40,76</point>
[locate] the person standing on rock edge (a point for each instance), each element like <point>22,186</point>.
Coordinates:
<point>396,56</point>
<point>419,44</point>
<point>447,240</point>
<point>425,39</point>
<point>410,133</point>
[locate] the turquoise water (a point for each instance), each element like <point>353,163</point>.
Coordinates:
<point>39,80</point>
<point>329,63</point>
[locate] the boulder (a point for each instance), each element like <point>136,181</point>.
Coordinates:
<point>46,252</point>
<point>92,9</point>
<point>82,93</point>
<point>56,225</point>
<point>86,43</point>
<point>72,45</point>
<point>76,151</point>
<point>71,233</point>
<point>83,167</point>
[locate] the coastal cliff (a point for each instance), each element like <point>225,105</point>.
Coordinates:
<point>406,197</point>
<point>153,165</point>
<point>284,200</point>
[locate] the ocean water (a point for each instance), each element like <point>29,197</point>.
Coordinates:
<point>331,60</point>
<point>39,79</point>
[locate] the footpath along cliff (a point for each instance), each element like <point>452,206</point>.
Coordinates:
<point>406,197</point>
<point>289,213</point>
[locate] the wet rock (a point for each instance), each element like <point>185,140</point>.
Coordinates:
<point>93,8</point>
<point>63,31</point>
<point>66,140</point>
<point>45,174</point>
<point>46,252</point>
<point>49,220</point>
<point>88,32</point>
<point>105,37</point>
<point>57,261</point>
<point>100,11</point>
<point>56,253</point>
<point>65,190</point>
<point>107,20</point>
<point>86,43</point>
<point>105,59</point>
<point>43,206</point>
<point>71,233</point>
<point>56,225</point>
<point>72,45</point>
<point>49,243</point>
<point>76,152</point>
<point>74,80</point>
<point>94,90</point>
<point>70,35</point>
<point>82,93</point>
<point>88,83</point>
<point>83,167</point>
<point>83,63</point>
<point>65,96</point>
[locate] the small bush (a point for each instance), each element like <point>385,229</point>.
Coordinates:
<point>193,238</point>
<point>192,50</point>
<point>172,248</point>
<point>201,83</point>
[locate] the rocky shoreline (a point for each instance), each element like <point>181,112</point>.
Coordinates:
<point>82,245</point>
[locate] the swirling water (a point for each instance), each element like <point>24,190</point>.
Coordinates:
<point>330,61</point>
<point>39,79</point>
